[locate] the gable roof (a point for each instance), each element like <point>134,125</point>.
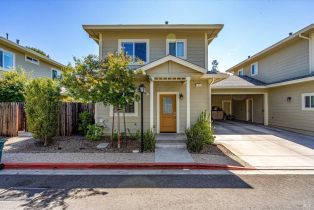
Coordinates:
<point>234,81</point>
<point>211,29</point>
<point>173,59</point>
<point>303,33</point>
<point>23,49</point>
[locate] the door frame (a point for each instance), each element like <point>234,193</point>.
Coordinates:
<point>158,109</point>
<point>247,109</point>
<point>229,101</point>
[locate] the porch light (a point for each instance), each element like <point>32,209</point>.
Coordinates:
<point>289,99</point>
<point>142,88</point>
<point>181,96</point>
<point>198,84</point>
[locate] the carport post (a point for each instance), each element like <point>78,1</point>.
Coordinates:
<point>265,108</point>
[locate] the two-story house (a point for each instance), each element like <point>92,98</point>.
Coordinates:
<point>13,55</point>
<point>175,58</point>
<point>274,86</point>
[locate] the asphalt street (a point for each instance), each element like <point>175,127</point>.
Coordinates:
<point>220,191</point>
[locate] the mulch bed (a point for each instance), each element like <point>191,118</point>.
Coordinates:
<point>69,144</point>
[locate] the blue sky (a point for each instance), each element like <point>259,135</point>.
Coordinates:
<point>250,25</point>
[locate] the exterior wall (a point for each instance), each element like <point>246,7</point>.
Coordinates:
<point>41,70</point>
<point>199,102</point>
<point>288,62</point>
<point>290,114</point>
<point>239,105</point>
<point>157,43</point>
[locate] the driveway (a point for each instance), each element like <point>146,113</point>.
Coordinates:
<point>266,147</point>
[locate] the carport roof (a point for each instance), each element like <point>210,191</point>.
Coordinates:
<point>239,81</point>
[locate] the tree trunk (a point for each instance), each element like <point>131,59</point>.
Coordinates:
<point>112,128</point>
<point>119,128</point>
<point>125,139</point>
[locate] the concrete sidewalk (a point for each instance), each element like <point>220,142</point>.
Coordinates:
<point>266,148</point>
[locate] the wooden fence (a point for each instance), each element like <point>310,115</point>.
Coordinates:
<point>12,118</point>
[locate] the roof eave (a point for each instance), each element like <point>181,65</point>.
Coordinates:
<point>272,47</point>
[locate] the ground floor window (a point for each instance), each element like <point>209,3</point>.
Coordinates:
<point>308,101</point>
<point>131,110</point>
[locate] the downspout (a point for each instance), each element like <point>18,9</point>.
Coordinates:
<point>210,99</point>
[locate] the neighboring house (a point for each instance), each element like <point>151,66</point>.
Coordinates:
<point>175,59</point>
<point>13,56</point>
<point>275,86</point>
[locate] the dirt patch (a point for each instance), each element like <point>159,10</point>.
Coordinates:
<point>67,144</point>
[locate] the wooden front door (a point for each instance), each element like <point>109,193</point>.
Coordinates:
<point>168,113</point>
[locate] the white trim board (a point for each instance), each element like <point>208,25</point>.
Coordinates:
<point>247,109</point>
<point>158,109</point>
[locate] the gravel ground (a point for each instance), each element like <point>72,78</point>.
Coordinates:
<point>65,144</point>
<point>78,149</point>
<point>79,157</point>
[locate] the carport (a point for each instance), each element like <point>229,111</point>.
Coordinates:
<point>240,98</point>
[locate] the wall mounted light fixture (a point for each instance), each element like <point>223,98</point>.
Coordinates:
<point>289,99</point>
<point>181,96</point>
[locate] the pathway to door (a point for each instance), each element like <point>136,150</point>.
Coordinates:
<point>172,148</point>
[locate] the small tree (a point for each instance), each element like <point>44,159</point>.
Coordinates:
<point>107,80</point>
<point>12,86</point>
<point>214,66</point>
<point>42,108</point>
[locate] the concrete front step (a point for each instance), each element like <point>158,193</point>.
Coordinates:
<point>170,141</point>
<point>171,145</point>
<point>24,134</point>
<point>171,136</point>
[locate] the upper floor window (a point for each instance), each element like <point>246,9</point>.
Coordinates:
<point>137,49</point>
<point>240,72</point>
<point>6,60</point>
<point>31,59</point>
<point>308,101</point>
<point>176,47</point>
<point>55,73</point>
<point>254,69</point>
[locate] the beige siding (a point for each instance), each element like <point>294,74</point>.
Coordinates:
<point>199,103</point>
<point>288,62</point>
<point>157,42</point>
<point>290,114</point>
<point>41,70</point>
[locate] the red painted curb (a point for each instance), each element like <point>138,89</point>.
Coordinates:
<point>129,166</point>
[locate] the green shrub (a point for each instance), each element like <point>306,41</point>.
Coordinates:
<point>149,140</point>
<point>200,134</point>
<point>12,86</point>
<point>42,108</point>
<point>134,136</point>
<point>84,121</point>
<point>94,132</point>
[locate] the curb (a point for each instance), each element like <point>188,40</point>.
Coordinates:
<point>128,166</point>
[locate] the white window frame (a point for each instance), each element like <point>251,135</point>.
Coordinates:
<point>134,114</point>
<point>256,67</point>
<point>134,41</point>
<point>32,61</point>
<point>241,70</point>
<point>54,69</point>
<point>303,102</point>
<point>177,40</point>
<point>13,55</point>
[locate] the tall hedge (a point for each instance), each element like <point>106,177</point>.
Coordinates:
<point>12,86</point>
<point>42,108</point>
